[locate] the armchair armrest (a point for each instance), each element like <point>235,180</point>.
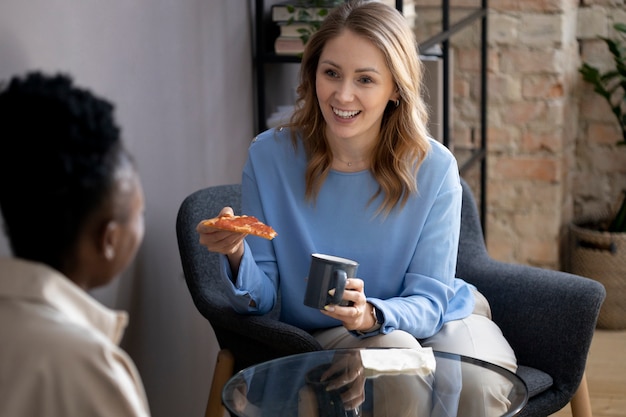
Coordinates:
<point>254,339</point>
<point>282,337</point>
<point>547,316</point>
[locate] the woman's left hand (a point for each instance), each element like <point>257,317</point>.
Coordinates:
<point>346,376</point>
<point>358,315</point>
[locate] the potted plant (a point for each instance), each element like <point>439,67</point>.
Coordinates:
<point>598,249</point>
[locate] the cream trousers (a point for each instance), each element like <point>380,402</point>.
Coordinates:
<point>477,336</point>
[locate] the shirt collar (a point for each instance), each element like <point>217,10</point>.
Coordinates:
<point>21,279</point>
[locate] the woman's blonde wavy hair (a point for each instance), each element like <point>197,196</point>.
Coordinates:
<point>403,140</point>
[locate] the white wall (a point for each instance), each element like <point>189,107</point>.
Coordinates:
<point>180,73</point>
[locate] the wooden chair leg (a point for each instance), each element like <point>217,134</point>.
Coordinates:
<point>581,404</point>
<point>223,371</point>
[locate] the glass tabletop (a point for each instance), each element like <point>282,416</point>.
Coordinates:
<point>331,383</point>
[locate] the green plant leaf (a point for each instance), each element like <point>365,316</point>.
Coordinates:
<point>611,85</point>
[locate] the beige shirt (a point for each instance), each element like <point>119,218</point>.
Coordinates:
<point>59,353</point>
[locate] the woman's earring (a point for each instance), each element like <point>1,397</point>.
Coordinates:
<point>109,252</point>
<point>397,102</point>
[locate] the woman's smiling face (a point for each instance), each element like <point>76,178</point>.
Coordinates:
<point>353,86</point>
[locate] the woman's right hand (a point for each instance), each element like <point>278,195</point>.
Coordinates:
<point>224,242</point>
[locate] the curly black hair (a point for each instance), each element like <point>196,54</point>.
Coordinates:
<point>59,150</point>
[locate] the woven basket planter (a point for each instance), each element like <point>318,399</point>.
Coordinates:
<point>602,256</point>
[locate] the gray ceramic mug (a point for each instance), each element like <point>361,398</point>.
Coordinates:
<point>327,272</point>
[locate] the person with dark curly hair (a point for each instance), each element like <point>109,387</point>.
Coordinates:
<point>72,204</point>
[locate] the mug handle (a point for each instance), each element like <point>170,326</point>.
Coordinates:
<point>339,277</point>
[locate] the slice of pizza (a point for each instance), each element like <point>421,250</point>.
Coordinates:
<point>241,224</point>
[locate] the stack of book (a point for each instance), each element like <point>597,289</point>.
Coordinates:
<point>290,41</point>
<point>296,19</point>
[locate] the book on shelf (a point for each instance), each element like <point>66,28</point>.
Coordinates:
<point>288,45</point>
<point>309,10</point>
<point>294,10</point>
<point>297,20</point>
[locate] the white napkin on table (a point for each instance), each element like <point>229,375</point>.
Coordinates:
<point>398,361</point>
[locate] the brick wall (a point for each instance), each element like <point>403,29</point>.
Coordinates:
<point>551,139</point>
<point>531,136</point>
<point>551,153</point>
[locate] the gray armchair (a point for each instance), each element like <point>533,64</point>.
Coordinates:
<point>548,316</point>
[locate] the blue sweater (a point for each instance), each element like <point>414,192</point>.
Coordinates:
<point>407,259</point>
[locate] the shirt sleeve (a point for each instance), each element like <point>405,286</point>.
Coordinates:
<point>255,289</point>
<point>252,291</point>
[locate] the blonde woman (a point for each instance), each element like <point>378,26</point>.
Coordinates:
<point>355,174</point>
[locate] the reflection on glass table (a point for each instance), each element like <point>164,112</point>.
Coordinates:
<point>375,383</point>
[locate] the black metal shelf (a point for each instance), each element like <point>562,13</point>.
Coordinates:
<point>472,158</point>
<point>272,57</point>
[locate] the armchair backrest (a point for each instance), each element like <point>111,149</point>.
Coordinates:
<point>471,239</point>
<point>201,267</point>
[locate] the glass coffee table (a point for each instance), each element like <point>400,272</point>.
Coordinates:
<point>454,386</point>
